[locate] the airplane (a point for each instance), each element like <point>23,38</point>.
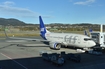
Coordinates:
<point>55,40</point>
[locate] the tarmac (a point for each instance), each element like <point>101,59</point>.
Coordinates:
<point>26,56</point>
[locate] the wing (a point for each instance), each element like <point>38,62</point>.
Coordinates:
<point>26,39</point>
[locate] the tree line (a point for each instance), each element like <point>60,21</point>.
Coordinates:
<point>15,23</point>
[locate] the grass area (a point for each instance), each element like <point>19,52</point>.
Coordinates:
<point>77,32</point>
<point>20,35</point>
<point>35,33</point>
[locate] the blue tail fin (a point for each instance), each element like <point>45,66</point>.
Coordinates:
<point>42,28</point>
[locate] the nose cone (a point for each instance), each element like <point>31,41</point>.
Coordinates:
<point>92,43</point>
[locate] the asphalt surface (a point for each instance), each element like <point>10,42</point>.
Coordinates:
<point>26,56</point>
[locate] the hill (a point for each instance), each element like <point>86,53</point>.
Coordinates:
<point>11,21</point>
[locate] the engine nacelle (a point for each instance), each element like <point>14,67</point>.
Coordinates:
<point>55,45</point>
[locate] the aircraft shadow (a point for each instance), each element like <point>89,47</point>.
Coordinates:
<point>71,47</point>
<point>5,46</point>
<point>87,62</point>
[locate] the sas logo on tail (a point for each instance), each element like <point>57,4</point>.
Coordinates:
<point>42,29</point>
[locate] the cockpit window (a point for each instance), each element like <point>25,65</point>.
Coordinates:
<point>86,39</point>
<point>94,36</point>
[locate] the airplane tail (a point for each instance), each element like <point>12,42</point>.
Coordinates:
<point>43,29</point>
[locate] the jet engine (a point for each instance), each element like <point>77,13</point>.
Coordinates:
<point>55,45</point>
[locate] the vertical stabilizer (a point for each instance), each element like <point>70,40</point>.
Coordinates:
<point>43,30</point>
<point>42,26</point>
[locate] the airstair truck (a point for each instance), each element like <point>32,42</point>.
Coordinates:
<point>99,38</point>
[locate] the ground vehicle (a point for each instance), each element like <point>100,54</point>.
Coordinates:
<point>95,51</point>
<point>46,56</point>
<point>58,60</point>
<point>53,58</point>
<point>74,57</point>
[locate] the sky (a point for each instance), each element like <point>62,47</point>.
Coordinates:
<point>54,11</point>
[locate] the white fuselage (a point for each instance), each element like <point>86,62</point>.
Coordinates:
<point>70,39</point>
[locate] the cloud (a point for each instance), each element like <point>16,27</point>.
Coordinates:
<point>7,8</point>
<point>8,3</point>
<point>87,2</point>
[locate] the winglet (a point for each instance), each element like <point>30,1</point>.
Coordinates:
<point>90,30</point>
<point>85,33</point>
<point>5,34</point>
